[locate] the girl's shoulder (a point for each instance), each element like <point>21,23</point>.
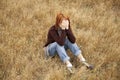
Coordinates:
<point>52,28</point>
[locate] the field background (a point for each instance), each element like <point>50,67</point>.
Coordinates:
<point>23,30</point>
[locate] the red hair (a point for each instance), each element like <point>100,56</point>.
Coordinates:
<point>59,19</point>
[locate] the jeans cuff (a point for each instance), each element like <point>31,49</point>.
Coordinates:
<point>66,59</point>
<point>77,53</point>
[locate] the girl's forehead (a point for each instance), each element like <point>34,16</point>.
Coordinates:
<point>65,20</point>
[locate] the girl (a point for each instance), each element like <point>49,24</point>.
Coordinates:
<point>60,38</point>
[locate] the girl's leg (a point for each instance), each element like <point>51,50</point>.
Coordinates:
<point>77,52</point>
<point>74,49</point>
<point>54,48</point>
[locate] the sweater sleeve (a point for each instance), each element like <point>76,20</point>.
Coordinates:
<point>70,35</point>
<point>59,39</point>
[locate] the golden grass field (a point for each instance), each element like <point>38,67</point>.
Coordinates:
<point>23,31</point>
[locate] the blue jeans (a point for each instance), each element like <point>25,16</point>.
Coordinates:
<point>55,48</point>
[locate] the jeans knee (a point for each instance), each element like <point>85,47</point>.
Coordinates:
<point>59,46</point>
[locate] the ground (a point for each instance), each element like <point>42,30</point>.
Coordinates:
<point>23,31</point>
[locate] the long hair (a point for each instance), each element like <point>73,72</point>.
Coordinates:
<point>59,19</point>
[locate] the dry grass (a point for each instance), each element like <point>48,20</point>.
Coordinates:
<point>23,29</point>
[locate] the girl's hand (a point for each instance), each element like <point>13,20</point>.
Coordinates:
<point>62,26</point>
<point>67,27</point>
<point>65,24</point>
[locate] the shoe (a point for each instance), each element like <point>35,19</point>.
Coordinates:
<point>82,59</point>
<point>89,66</point>
<point>69,66</point>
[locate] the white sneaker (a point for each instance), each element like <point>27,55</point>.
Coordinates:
<point>89,66</point>
<point>69,65</point>
<point>82,59</point>
<point>84,62</point>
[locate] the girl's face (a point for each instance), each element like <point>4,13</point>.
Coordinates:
<point>64,23</point>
